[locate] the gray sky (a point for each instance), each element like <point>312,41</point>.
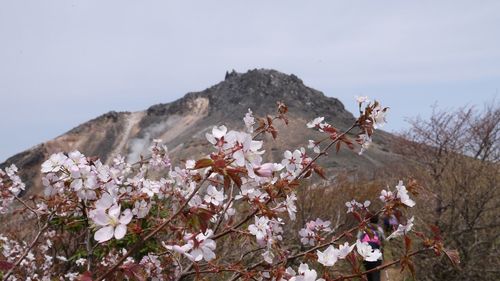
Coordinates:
<point>65,62</point>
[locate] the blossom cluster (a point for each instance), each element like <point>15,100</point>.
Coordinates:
<point>10,187</point>
<point>153,219</point>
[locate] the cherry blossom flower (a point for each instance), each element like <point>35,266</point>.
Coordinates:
<point>249,121</point>
<point>268,256</point>
<point>84,182</point>
<point>159,156</point>
<point>260,228</point>
<point>305,274</point>
<point>150,187</point>
<point>152,265</point>
<point>247,149</point>
<point>386,196</point>
<point>217,136</point>
<point>328,257</point>
<point>365,250</point>
<point>403,196</point>
<point>250,191</point>
<point>290,205</point>
<point>54,163</point>
<point>378,116</point>
<point>81,261</point>
<point>307,236</point>
<point>365,141</point>
<point>112,221</point>
<point>71,276</point>
<point>402,229</point>
<point>198,247</point>
<point>362,99</point>
<point>141,209</point>
<point>265,189</point>
<point>214,196</point>
<point>292,161</point>
<point>265,170</point>
<point>315,123</point>
<point>314,146</point>
<point>345,249</point>
<point>311,231</point>
<point>353,205</point>
<point>10,186</point>
<point>75,158</point>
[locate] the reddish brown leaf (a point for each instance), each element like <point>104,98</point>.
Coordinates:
<point>284,119</point>
<point>227,182</point>
<point>86,276</point>
<point>282,108</point>
<point>337,146</point>
<point>220,163</point>
<point>453,256</point>
<point>319,170</point>
<point>408,243</point>
<point>262,124</point>
<point>204,218</point>
<point>308,173</point>
<point>236,178</point>
<point>411,267</point>
<point>269,120</point>
<point>348,142</point>
<point>203,163</point>
<point>357,216</point>
<point>437,232</point>
<point>273,132</point>
<point>134,272</point>
<point>5,265</point>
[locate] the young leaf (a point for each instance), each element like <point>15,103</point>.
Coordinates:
<point>203,163</point>
<point>319,170</point>
<point>453,256</point>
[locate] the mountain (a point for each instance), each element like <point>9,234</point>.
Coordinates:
<point>182,125</point>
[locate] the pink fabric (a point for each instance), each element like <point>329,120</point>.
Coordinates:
<point>366,238</point>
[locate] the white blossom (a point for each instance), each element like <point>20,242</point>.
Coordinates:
<point>202,249</point>
<point>328,257</point>
<point>345,249</point>
<point>54,163</point>
<point>365,250</point>
<point>362,99</point>
<point>260,228</point>
<point>249,121</point>
<point>214,196</point>
<point>403,195</point>
<point>386,195</point>
<point>402,229</point>
<point>111,220</point>
<point>315,122</point>
<point>305,274</point>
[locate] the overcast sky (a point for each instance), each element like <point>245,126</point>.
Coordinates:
<point>65,62</point>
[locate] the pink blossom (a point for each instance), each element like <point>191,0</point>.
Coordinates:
<point>112,221</point>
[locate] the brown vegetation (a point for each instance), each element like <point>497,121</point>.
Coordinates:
<point>456,155</point>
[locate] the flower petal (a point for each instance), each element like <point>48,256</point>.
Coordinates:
<point>120,231</point>
<point>104,234</point>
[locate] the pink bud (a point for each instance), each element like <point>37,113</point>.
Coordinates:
<point>265,170</point>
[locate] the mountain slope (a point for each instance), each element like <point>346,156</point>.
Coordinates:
<point>182,125</point>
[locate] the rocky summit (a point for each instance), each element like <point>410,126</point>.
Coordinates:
<point>182,125</point>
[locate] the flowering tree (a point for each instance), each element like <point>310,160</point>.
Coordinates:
<point>222,216</point>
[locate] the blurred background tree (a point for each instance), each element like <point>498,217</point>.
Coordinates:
<point>456,158</point>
